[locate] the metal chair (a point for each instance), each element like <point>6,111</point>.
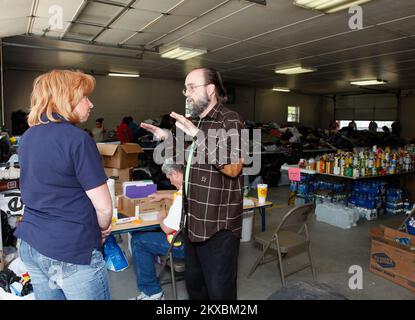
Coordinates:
<point>291,234</point>
<point>176,266</point>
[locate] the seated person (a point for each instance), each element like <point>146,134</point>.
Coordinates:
<point>145,245</point>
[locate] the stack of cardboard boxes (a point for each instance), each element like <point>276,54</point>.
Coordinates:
<point>119,161</point>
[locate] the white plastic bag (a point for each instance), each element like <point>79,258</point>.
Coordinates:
<point>9,296</point>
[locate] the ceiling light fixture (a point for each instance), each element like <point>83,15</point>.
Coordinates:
<point>328,6</point>
<point>295,70</point>
<point>182,53</point>
<point>126,75</point>
<point>370,82</point>
<point>281,89</point>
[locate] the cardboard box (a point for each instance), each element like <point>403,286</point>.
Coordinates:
<point>119,156</point>
<point>118,188</point>
<point>120,176</point>
<point>392,260</point>
<point>127,206</point>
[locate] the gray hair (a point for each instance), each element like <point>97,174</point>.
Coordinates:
<point>169,166</point>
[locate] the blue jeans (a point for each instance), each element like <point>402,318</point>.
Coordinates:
<point>56,280</point>
<point>145,246</point>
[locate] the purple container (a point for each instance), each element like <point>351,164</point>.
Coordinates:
<point>140,191</point>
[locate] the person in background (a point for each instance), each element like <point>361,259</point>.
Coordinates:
<point>98,133</point>
<point>145,246</point>
<point>68,207</point>
<point>353,125</point>
<point>373,126</point>
<point>335,125</point>
<point>386,129</point>
<point>134,129</point>
<point>396,128</point>
<point>167,122</point>
<point>19,123</point>
<point>124,133</point>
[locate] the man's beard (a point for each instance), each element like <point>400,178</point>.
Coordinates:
<point>197,108</point>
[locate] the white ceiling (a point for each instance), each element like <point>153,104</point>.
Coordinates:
<point>245,41</point>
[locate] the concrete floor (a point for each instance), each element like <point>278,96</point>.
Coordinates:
<point>334,251</point>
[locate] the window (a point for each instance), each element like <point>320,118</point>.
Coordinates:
<point>364,125</point>
<point>293,114</point>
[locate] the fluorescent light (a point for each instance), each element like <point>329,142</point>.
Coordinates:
<point>280,89</point>
<point>370,82</point>
<point>182,53</point>
<point>189,55</point>
<point>329,6</point>
<point>295,70</point>
<point>127,75</point>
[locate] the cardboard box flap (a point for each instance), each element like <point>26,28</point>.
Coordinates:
<point>392,234</point>
<point>107,149</point>
<point>377,232</point>
<point>131,148</point>
<point>387,235</point>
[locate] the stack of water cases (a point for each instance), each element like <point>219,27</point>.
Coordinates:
<point>368,199</point>
<point>394,202</point>
<point>303,190</point>
<point>337,215</point>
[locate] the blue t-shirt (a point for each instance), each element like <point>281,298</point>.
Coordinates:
<point>59,162</point>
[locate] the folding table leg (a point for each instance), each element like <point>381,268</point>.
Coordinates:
<point>262,210</point>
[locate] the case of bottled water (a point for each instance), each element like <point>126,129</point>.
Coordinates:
<point>336,215</point>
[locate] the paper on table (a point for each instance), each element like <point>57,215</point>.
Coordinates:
<point>149,216</point>
<point>248,202</point>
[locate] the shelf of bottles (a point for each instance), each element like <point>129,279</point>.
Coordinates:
<point>369,195</point>
<point>363,162</point>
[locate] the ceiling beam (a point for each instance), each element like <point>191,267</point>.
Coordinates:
<point>162,15</point>
<point>87,42</point>
<point>110,3</point>
<point>32,16</point>
<point>117,16</point>
<point>47,48</point>
<point>74,18</point>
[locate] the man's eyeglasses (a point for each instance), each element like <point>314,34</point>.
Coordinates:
<point>191,88</point>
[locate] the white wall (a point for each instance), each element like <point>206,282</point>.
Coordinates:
<point>326,112</point>
<point>145,98</point>
<point>113,98</point>
<point>272,106</point>
<point>407,115</point>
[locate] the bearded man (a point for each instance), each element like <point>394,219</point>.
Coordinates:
<point>212,202</point>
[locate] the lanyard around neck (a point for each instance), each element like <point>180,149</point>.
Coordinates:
<point>188,164</point>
